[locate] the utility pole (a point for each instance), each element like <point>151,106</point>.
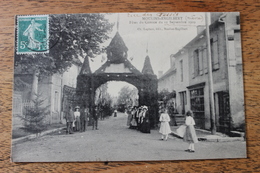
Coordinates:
<point>211,94</point>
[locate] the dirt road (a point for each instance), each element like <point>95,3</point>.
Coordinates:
<point>114,141</point>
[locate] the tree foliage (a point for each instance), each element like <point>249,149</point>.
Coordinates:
<point>127,96</point>
<point>165,95</point>
<point>165,99</point>
<point>103,100</point>
<point>34,118</point>
<point>71,36</point>
<point>102,96</point>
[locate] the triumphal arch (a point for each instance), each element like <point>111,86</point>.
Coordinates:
<point>118,68</point>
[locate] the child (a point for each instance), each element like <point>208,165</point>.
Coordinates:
<point>165,127</point>
<point>190,134</point>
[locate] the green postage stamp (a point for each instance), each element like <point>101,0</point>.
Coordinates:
<point>32,34</point>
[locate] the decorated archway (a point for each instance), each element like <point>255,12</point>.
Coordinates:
<point>119,68</point>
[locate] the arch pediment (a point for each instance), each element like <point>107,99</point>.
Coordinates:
<point>124,67</point>
<point>116,68</point>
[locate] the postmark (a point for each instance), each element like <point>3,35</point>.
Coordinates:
<point>32,34</point>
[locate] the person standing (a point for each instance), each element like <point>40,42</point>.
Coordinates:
<point>95,119</point>
<point>129,116</point>
<point>139,117</point>
<point>133,122</point>
<point>69,116</point>
<point>145,123</point>
<point>77,118</point>
<point>165,128</point>
<point>115,113</point>
<point>84,114</point>
<point>190,134</point>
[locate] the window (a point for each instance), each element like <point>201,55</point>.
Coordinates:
<point>183,101</point>
<point>197,106</point>
<point>214,52</point>
<point>198,62</point>
<point>181,66</point>
<point>197,100</point>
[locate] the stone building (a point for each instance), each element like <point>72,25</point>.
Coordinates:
<point>191,76</point>
<point>55,90</point>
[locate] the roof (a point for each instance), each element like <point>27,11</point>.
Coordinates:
<point>85,69</point>
<point>172,70</point>
<point>168,73</point>
<point>117,54</point>
<point>199,36</point>
<point>117,50</point>
<point>147,68</point>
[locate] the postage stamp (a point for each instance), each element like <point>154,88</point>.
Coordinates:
<point>32,34</point>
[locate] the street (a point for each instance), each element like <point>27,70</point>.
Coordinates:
<point>114,141</point>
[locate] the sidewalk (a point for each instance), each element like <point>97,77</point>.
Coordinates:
<point>51,128</point>
<point>205,135</point>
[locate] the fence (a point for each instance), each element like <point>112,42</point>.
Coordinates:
<point>27,104</point>
<point>17,104</point>
<point>20,107</point>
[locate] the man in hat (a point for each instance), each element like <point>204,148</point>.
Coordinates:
<point>69,116</point>
<point>95,118</point>
<point>84,115</point>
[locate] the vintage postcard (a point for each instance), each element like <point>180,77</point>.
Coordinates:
<point>128,87</point>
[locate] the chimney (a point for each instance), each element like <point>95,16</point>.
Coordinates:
<point>215,16</point>
<point>160,73</point>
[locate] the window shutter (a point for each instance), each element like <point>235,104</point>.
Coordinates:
<point>196,62</point>
<point>200,61</point>
<point>215,53</point>
<point>193,67</point>
<point>205,60</point>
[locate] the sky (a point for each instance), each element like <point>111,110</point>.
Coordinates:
<point>157,35</point>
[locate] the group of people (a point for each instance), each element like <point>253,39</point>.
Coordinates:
<point>76,119</point>
<point>138,118</point>
<point>189,134</point>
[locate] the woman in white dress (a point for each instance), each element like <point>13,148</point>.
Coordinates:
<point>77,118</point>
<point>165,129</point>
<point>190,134</point>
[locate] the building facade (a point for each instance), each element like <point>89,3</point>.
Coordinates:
<point>51,90</point>
<point>55,90</point>
<point>192,81</point>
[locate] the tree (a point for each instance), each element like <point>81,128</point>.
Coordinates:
<point>165,99</point>
<point>164,96</point>
<point>35,115</point>
<point>127,96</point>
<point>103,100</point>
<point>71,36</point>
<point>102,96</point>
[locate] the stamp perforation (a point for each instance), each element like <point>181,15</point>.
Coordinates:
<point>31,49</point>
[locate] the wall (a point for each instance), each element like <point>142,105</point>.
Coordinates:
<point>235,72</point>
<point>167,81</point>
<point>181,84</point>
<point>69,77</point>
